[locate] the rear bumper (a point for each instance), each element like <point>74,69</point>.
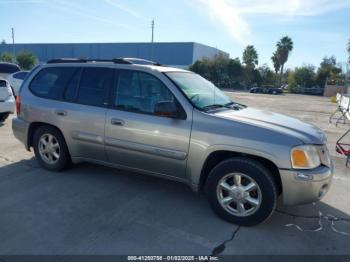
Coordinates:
<point>305,186</point>
<point>20,130</point>
<point>8,106</point>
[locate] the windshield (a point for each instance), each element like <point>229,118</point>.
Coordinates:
<point>202,93</point>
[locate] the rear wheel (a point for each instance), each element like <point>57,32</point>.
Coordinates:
<point>242,191</point>
<point>50,148</point>
<point>3,117</point>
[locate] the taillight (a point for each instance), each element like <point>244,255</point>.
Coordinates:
<point>18,104</point>
<point>9,91</point>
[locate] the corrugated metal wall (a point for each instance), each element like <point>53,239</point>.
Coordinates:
<point>177,54</point>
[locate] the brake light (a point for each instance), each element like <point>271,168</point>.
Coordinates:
<point>18,104</point>
<point>9,91</point>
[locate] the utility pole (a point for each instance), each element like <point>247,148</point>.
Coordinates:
<point>152,40</point>
<point>13,45</point>
<point>152,31</point>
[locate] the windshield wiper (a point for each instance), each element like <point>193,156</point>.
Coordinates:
<point>230,105</point>
<point>213,106</point>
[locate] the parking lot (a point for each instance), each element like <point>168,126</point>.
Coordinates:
<point>90,209</point>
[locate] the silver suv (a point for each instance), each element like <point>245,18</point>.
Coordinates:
<point>166,122</point>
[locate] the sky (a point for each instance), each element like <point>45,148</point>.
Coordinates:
<point>318,27</point>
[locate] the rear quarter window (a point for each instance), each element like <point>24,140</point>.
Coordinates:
<point>3,83</point>
<point>20,75</point>
<point>8,68</point>
<point>50,82</point>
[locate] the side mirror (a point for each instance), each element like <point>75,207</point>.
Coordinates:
<point>166,109</point>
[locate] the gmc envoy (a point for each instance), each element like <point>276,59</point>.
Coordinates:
<point>139,116</point>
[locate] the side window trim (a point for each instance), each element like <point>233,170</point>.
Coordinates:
<point>113,90</point>
<point>106,92</point>
<point>79,71</point>
<point>114,93</point>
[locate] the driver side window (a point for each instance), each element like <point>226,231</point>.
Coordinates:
<point>140,92</point>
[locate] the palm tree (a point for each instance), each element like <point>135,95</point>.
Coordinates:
<point>250,56</point>
<point>276,64</point>
<point>284,47</point>
<point>250,59</point>
<point>349,49</point>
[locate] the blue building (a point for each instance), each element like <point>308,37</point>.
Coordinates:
<point>181,54</point>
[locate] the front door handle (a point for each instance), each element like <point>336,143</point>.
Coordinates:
<point>117,122</point>
<point>61,113</point>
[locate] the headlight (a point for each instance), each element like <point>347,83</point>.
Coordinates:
<point>305,157</point>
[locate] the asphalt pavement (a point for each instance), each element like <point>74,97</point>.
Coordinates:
<point>91,209</point>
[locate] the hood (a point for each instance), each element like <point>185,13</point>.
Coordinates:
<point>307,133</point>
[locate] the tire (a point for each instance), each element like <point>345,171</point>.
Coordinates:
<point>59,163</point>
<point>251,172</point>
<point>3,117</point>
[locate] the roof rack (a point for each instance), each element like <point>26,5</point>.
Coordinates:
<point>125,61</point>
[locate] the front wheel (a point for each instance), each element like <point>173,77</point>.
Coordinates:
<point>242,191</point>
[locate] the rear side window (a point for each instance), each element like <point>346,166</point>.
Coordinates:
<point>8,68</point>
<point>20,75</point>
<point>3,83</point>
<point>49,82</point>
<point>94,86</point>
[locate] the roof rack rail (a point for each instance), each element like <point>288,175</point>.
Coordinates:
<point>66,60</point>
<point>125,61</point>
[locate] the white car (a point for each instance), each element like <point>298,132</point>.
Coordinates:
<point>7,100</point>
<point>16,80</point>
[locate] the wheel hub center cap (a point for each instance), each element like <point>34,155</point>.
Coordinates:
<point>238,194</point>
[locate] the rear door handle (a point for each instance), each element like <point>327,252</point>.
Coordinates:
<point>117,122</point>
<point>61,113</point>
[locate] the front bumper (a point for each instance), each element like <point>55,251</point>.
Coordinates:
<point>8,106</point>
<point>305,186</point>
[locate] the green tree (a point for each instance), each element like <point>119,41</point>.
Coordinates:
<point>284,47</point>
<point>276,65</point>
<point>3,42</point>
<point>6,57</point>
<point>267,76</point>
<point>276,62</point>
<point>328,70</point>
<point>201,67</point>
<point>292,83</point>
<point>250,59</point>
<point>235,71</point>
<point>221,70</point>
<point>26,60</point>
<point>304,76</point>
<point>250,56</point>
